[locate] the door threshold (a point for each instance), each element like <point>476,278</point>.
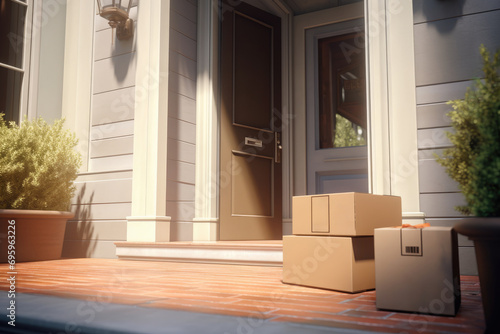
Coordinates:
<point>248,252</point>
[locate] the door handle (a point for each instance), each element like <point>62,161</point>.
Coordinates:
<point>278,148</point>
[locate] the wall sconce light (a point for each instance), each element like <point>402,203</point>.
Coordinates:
<point>117,13</point>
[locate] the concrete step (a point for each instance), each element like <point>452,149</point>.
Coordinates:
<point>261,252</point>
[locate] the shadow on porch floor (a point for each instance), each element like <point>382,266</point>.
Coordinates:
<point>253,294</point>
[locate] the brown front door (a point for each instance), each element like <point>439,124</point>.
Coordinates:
<point>250,166</point>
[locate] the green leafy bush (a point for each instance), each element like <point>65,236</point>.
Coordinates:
<point>474,161</point>
<point>38,165</point>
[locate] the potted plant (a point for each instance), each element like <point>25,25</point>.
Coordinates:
<point>38,165</point>
<point>474,162</point>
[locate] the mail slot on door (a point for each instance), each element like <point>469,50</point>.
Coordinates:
<point>253,142</point>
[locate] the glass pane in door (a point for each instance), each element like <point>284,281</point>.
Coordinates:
<point>342,96</point>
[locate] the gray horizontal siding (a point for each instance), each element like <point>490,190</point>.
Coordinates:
<point>182,24</point>
<point>113,106</point>
<point>95,248</point>
<point>103,197</point>
<point>178,191</point>
<point>101,203</point>
<point>447,36</point>
<point>107,49</point>
<point>433,115</point>
<point>104,191</point>
<point>112,130</point>
<point>181,231</point>
<point>431,10</point>
<point>182,85</point>
<point>182,44</point>
<point>112,147</point>
<point>436,179</point>
<point>185,9</point>
<point>448,50</point>
<point>182,108</point>
<point>441,92</point>
<point>441,204</point>
<point>181,130</point>
<point>181,211</point>
<point>102,230</point>
<point>181,151</point>
<point>103,211</point>
<point>112,113</point>
<point>181,171</point>
<point>114,73</point>
<point>114,163</point>
<point>433,138</point>
<point>182,65</point>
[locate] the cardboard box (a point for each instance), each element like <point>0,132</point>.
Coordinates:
<point>417,270</point>
<point>344,214</point>
<point>336,263</point>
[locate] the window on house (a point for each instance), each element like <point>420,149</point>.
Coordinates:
<point>32,37</point>
<point>13,18</point>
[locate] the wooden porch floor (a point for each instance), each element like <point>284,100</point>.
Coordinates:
<point>236,290</point>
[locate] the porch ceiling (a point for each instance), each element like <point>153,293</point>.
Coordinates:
<point>306,6</point>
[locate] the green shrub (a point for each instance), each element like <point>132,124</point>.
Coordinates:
<point>38,165</point>
<point>474,161</point>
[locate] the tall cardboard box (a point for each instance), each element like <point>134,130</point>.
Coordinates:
<point>416,270</point>
<point>344,214</point>
<point>336,263</point>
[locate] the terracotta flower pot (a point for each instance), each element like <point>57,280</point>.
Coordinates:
<point>39,235</point>
<point>485,232</point>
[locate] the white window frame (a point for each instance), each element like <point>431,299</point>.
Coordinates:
<point>26,62</point>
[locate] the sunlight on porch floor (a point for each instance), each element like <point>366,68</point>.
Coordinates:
<point>235,290</point>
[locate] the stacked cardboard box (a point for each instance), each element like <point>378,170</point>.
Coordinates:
<point>332,242</point>
<point>417,270</point>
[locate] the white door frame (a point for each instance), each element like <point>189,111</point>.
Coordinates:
<point>301,24</point>
<point>392,149</point>
<point>350,162</point>
<point>208,179</point>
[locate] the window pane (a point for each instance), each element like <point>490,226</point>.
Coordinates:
<point>51,63</point>
<point>12,17</point>
<point>342,97</point>
<point>10,93</point>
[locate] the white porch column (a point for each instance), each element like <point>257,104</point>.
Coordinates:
<point>393,151</point>
<point>206,221</point>
<point>77,81</point>
<point>148,222</point>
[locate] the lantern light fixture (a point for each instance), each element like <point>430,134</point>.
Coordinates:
<point>117,14</point>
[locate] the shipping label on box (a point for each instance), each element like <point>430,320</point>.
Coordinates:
<point>416,270</point>
<point>336,263</point>
<point>344,214</point>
